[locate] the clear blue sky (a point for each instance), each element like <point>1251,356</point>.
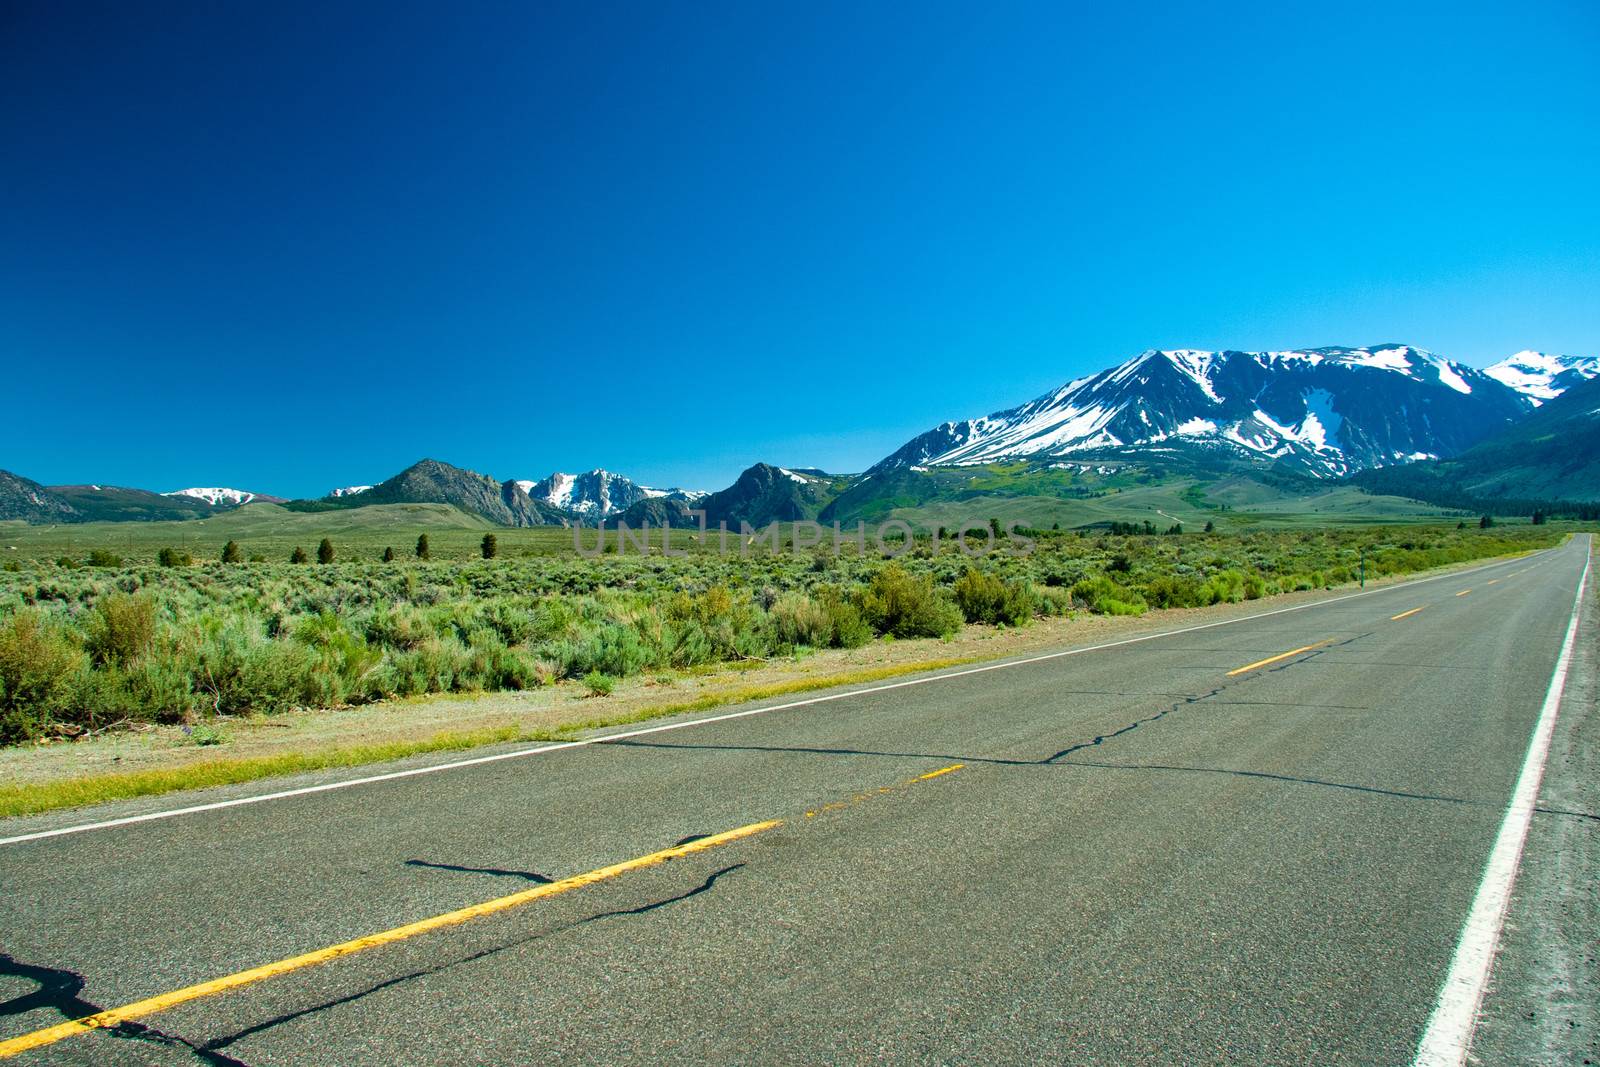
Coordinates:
<point>285,246</point>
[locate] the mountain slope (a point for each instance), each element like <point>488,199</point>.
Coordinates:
<point>111,503</point>
<point>597,494</point>
<point>765,494</point>
<point>23,498</point>
<point>1553,455</point>
<point>761,495</point>
<point>433,482</point>
<point>1324,412</point>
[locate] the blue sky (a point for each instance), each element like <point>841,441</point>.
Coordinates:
<point>284,247</point>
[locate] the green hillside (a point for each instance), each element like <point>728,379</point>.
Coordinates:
<point>1552,456</point>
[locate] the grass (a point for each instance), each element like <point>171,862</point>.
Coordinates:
<point>104,788</point>
<point>272,531</point>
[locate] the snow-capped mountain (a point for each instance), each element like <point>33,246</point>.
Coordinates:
<point>349,490</point>
<point>217,497</point>
<point>1540,376</point>
<point>597,494</point>
<point>1324,411</point>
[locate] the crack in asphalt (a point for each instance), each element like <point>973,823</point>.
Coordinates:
<point>1059,758</point>
<point>349,998</point>
<point>531,876</point>
<point>60,990</point>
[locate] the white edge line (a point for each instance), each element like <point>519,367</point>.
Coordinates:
<point>434,768</point>
<point>1449,1032</point>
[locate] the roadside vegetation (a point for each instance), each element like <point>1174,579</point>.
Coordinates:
<point>88,645</point>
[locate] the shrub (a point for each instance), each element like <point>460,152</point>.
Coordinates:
<point>344,657</point>
<point>121,628</point>
<point>325,551</point>
<point>904,605</point>
<point>1101,594</point>
<point>172,557</point>
<point>613,649</point>
<point>101,557</point>
<point>514,624</point>
<point>299,556</point>
<point>598,684</point>
<point>983,597</point>
<point>38,666</point>
<point>1054,600</point>
<point>848,627</point>
<point>799,620</point>
<point>403,628</point>
<point>231,553</point>
<point>1224,587</point>
<point>1172,591</point>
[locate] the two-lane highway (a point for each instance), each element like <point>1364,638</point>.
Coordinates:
<point>1257,841</point>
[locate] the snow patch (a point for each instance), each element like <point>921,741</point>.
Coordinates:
<point>1196,365</point>
<point>1534,374</point>
<point>214,496</point>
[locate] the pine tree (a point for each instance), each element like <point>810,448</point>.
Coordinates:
<point>231,553</point>
<point>491,546</point>
<point>1211,527</point>
<point>325,551</point>
<point>422,547</point>
<point>1485,522</point>
<point>299,555</point>
<point>388,554</point>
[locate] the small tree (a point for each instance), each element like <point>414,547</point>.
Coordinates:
<point>491,546</point>
<point>299,555</point>
<point>1211,527</point>
<point>1539,517</point>
<point>231,553</point>
<point>1485,522</point>
<point>172,557</point>
<point>422,547</point>
<point>388,554</point>
<point>325,551</point>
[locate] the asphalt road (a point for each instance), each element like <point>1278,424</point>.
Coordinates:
<point>1146,855</point>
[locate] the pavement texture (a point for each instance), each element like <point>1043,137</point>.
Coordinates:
<point>1145,855</point>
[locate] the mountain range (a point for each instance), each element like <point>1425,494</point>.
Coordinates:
<point>1388,416</point>
<point>1324,412</point>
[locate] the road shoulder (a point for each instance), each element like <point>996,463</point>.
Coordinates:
<point>1543,1001</point>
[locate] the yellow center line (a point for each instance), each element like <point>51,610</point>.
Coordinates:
<point>1491,581</point>
<point>1274,659</point>
<point>142,1008</point>
<point>1403,614</point>
<point>840,805</point>
<point>1464,592</point>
